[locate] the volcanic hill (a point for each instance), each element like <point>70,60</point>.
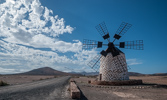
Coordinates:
<point>47,71</point>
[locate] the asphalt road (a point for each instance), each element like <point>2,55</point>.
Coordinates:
<point>50,89</point>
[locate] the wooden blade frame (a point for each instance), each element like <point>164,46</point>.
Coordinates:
<point>102,29</point>
<point>90,44</point>
<point>137,45</point>
<point>95,62</point>
<point>123,28</point>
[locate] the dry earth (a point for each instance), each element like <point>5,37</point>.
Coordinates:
<point>152,79</point>
<point>138,92</point>
<point>20,79</point>
<point>94,92</point>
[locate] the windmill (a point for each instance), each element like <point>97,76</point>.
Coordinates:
<point>111,64</point>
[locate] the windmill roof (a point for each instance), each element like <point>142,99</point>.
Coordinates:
<point>118,50</point>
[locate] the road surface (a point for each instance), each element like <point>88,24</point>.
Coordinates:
<point>50,89</point>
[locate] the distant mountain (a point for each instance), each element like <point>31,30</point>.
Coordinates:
<point>159,74</point>
<point>46,71</point>
<point>135,74</point>
<point>51,71</point>
<point>139,74</point>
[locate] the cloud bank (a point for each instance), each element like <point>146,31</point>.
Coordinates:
<point>29,38</point>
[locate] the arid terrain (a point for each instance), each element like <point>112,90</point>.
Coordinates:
<point>152,79</point>
<point>148,91</point>
<point>154,87</point>
<point>98,92</point>
<point>20,79</point>
<point>33,75</point>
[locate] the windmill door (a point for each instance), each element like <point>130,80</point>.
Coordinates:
<point>100,77</point>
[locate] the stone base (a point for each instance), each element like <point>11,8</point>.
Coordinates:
<point>118,83</point>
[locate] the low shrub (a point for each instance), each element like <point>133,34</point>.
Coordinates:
<point>3,83</point>
<point>41,79</point>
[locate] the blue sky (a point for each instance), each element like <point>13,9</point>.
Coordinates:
<point>26,46</point>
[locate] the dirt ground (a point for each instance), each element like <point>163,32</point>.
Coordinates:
<point>152,79</point>
<point>19,79</point>
<point>135,92</point>
<point>99,92</point>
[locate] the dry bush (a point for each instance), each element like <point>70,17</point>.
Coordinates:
<point>3,83</point>
<point>41,79</point>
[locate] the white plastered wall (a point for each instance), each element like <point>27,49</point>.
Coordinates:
<point>113,68</point>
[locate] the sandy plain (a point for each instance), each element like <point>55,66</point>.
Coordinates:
<point>154,88</point>
<point>96,92</point>
<point>20,79</point>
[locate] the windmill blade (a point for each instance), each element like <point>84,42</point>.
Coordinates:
<point>128,67</point>
<point>90,44</point>
<point>95,62</point>
<point>123,28</point>
<point>102,29</point>
<point>137,45</point>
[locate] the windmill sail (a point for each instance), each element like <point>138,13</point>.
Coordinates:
<point>102,29</point>
<point>95,62</point>
<point>136,45</point>
<point>123,28</point>
<point>90,44</point>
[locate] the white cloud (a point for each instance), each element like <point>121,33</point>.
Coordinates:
<point>27,22</point>
<point>133,61</point>
<point>23,20</point>
<point>27,30</point>
<point>20,56</point>
<point>46,14</point>
<point>5,71</point>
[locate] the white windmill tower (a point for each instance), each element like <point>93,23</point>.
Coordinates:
<point>112,61</point>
